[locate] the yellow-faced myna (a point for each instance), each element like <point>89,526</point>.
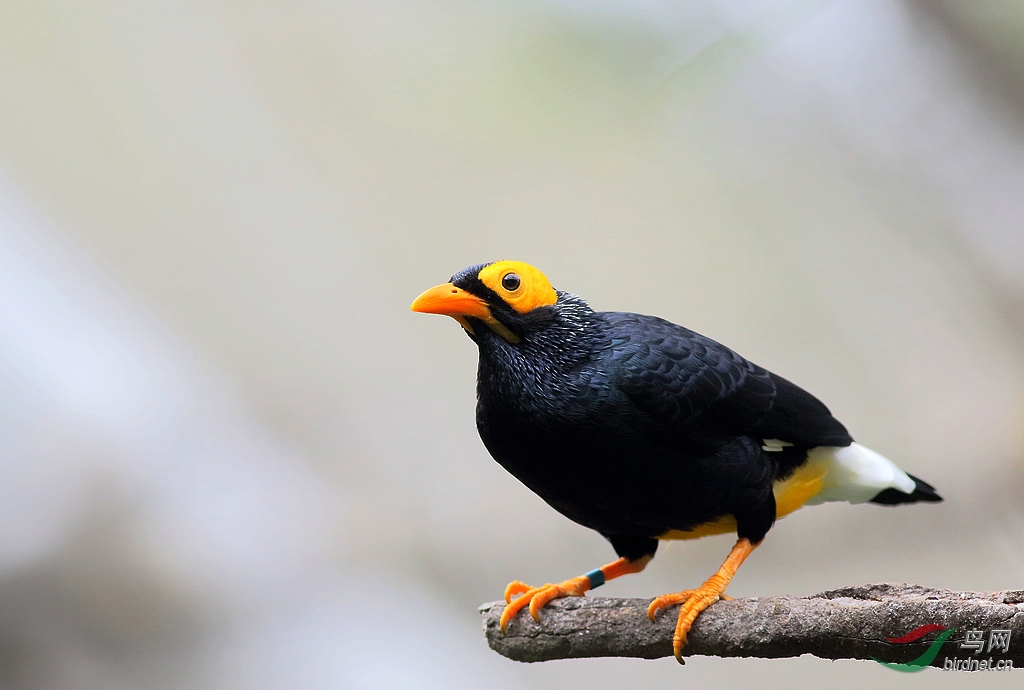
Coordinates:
<point>644,430</point>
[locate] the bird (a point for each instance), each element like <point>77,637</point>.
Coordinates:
<point>646,431</point>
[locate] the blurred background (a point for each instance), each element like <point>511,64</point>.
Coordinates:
<point>230,457</point>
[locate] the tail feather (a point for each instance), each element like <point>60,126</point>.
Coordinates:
<point>857,474</point>
<point>923,491</point>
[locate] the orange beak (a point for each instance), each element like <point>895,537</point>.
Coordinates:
<point>451,301</point>
<point>457,303</point>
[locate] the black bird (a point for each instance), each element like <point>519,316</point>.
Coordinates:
<point>644,430</point>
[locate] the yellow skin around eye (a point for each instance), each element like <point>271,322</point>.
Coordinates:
<point>534,289</point>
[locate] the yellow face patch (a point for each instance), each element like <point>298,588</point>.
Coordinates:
<point>523,287</point>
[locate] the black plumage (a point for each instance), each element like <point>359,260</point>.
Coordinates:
<point>629,424</point>
<point>634,426</point>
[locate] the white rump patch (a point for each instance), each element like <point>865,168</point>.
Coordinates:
<point>856,474</point>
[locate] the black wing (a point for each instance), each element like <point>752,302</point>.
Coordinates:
<point>702,395</point>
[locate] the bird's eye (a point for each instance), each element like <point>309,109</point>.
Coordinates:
<point>511,282</point>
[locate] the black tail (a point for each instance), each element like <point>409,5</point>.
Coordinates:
<point>923,491</point>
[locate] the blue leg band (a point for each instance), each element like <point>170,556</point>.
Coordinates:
<point>596,578</point>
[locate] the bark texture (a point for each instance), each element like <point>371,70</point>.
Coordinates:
<point>848,623</point>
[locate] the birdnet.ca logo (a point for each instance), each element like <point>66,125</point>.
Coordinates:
<point>975,642</point>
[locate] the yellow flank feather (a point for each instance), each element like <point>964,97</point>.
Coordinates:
<point>799,487</point>
<point>720,525</point>
<point>790,494</point>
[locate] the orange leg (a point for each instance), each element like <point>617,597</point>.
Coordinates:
<point>537,597</point>
<point>696,600</point>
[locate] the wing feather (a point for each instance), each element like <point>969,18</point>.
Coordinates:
<point>701,395</point>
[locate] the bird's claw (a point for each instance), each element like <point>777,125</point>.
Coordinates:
<point>515,587</point>
<point>537,597</point>
<point>692,603</point>
<point>666,600</point>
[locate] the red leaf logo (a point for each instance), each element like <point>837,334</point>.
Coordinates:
<point>916,633</point>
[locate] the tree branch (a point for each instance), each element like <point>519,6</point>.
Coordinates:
<point>848,623</point>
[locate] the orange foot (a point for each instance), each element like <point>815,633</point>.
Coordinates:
<point>537,597</point>
<point>694,601</point>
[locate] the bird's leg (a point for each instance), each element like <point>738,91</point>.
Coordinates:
<point>537,597</point>
<point>696,600</point>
